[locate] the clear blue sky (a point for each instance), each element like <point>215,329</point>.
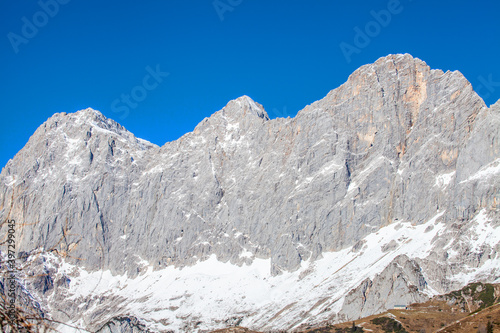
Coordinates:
<point>284,54</point>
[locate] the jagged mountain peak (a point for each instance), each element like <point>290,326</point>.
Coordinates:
<point>69,144</point>
<point>87,123</point>
<point>391,63</point>
<point>89,111</point>
<point>238,115</point>
<point>400,89</point>
<point>86,119</point>
<point>396,66</point>
<point>90,115</point>
<point>244,106</point>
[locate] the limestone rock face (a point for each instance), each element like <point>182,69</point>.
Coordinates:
<point>397,142</point>
<point>400,283</point>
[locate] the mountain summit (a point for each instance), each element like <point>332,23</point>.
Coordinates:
<point>384,192</point>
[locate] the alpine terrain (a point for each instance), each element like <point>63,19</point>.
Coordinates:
<point>383,193</point>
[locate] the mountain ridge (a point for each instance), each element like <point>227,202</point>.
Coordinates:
<point>369,67</point>
<point>284,194</point>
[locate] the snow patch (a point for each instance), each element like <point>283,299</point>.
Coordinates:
<point>483,233</point>
<point>246,254</point>
<point>363,174</point>
<point>156,169</point>
<point>10,181</point>
<point>485,172</point>
<point>444,180</point>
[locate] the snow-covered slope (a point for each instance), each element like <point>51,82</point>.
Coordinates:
<point>212,294</point>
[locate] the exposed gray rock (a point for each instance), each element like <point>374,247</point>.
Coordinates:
<point>123,325</point>
<point>397,142</point>
<point>401,283</point>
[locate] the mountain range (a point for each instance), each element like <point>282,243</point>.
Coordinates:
<point>385,192</point>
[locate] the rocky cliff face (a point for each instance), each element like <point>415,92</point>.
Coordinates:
<point>397,143</point>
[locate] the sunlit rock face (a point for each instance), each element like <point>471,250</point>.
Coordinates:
<point>397,145</point>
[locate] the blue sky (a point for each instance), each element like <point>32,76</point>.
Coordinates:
<point>66,55</point>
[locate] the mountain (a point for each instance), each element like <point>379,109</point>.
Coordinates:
<point>384,192</point>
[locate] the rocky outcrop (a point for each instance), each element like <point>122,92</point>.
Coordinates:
<point>123,325</point>
<point>400,283</point>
